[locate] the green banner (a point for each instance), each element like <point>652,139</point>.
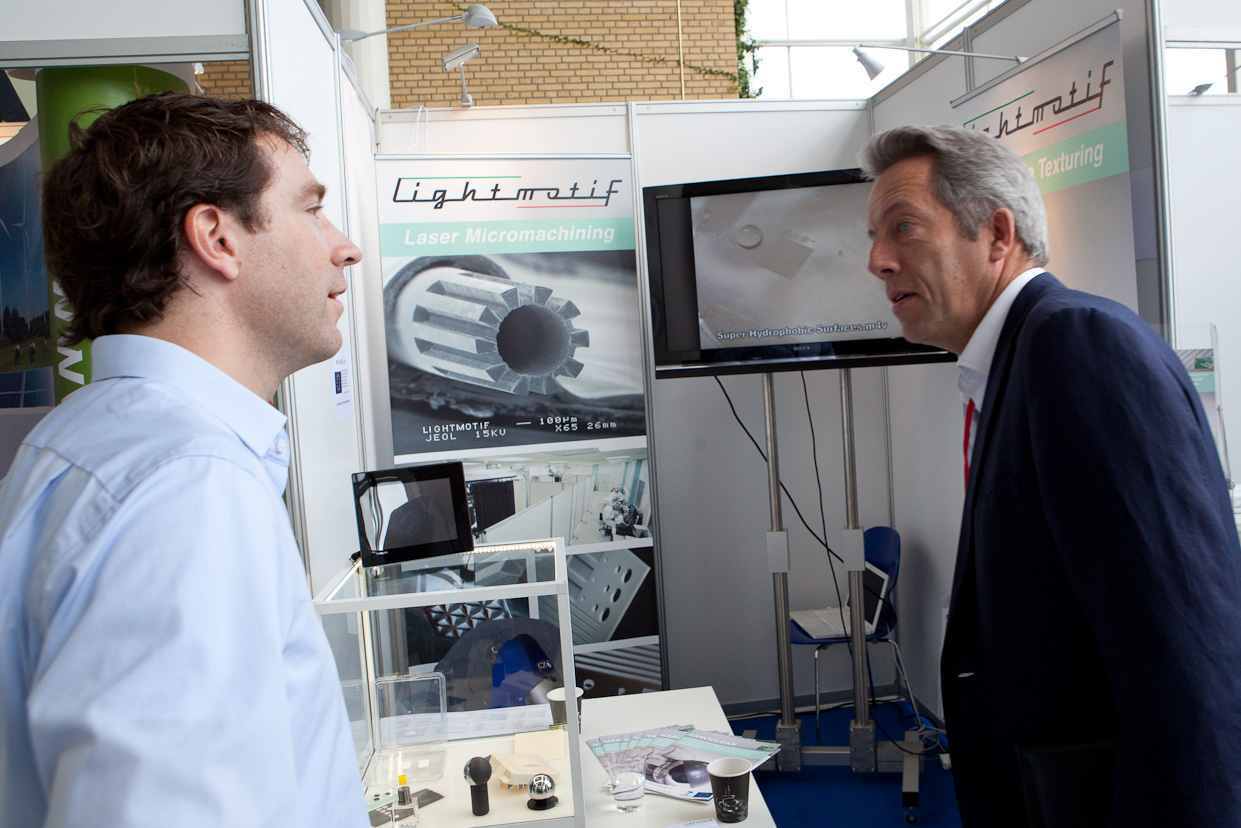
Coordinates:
<point>531,236</point>
<point>1090,156</point>
<point>1204,381</point>
<point>66,94</point>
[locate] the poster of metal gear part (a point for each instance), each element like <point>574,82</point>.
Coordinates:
<point>510,304</point>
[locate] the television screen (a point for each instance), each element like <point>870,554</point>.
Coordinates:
<point>767,274</point>
<point>411,513</point>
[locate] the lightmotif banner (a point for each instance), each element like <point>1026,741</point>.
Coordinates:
<point>1064,114</point>
<point>513,343</point>
<point>510,304</point>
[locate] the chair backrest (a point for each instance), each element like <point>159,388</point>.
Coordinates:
<point>882,548</point>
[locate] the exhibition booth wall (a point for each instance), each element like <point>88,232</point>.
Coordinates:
<point>705,480</point>
<point>1204,171</point>
<point>710,482</point>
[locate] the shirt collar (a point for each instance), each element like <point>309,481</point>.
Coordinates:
<point>256,422</point>
<point>974,363</point>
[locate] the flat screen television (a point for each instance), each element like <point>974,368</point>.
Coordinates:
<point>412,512</point>
<point>768,274</point>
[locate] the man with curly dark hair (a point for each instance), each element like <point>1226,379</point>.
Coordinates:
<point>160,659</point>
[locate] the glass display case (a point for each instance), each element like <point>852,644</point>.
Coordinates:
<point>448,661</point>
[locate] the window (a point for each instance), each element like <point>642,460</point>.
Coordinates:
<point>806,46</point>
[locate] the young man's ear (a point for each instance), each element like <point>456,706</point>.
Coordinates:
<point>210,235</point>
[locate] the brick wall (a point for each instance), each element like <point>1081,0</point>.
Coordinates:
<point>228,79</point>
<point>565,51</point>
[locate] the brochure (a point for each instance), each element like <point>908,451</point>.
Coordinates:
<point>676,756</point>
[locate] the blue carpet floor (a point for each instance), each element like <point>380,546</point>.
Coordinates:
<point>821,795</point>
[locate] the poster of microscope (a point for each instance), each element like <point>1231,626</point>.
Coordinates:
<point>510,304</point>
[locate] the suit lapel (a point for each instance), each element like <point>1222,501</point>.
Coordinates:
<point>997,381</point>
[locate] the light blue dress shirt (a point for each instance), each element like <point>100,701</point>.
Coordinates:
<point>161,663</point>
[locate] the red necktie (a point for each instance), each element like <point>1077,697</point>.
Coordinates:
<point>965,448</point>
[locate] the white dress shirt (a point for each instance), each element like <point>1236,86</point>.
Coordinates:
<point>974,363</point>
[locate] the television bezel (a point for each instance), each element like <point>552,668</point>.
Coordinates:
<point>844,353</point>
<point>454,473</point>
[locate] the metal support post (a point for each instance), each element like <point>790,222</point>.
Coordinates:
<point>862,729</point>
<point>788,730</point>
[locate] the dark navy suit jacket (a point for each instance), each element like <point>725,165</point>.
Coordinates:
<point>1091,669</point>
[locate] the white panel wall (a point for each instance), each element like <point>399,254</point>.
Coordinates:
<point>680,142</point>
<point>1201,19</point>
<point>302,77</point>
<point>77,19</point>
<point>366,279</point>
<point>909,103</point>
<point>714,513</point>
<point>1205,169</point>
<point>711,484</point>
<point>505,130</point>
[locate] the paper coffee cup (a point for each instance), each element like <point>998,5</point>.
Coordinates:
<point>556,697</point>
<point>730,787</point>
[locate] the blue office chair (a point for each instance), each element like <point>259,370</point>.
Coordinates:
<point>882,549</point>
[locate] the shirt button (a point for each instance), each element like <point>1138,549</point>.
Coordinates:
<point>282,446</point>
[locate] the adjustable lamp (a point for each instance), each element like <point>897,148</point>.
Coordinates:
<point>1203,87</point>
<point>477,16</point>
<point>873,67</point>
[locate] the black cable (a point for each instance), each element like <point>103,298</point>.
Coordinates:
<point>831,552</point>
<point>783,488</point>
<point>900,745</point>
<point>818,479</point>
<point>822,541</point>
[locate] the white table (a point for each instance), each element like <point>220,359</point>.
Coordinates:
<point>600,717</point>
<point>697,706</point>
<point>506,806</point>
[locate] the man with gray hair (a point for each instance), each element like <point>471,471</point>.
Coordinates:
<point>1090,670</point>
